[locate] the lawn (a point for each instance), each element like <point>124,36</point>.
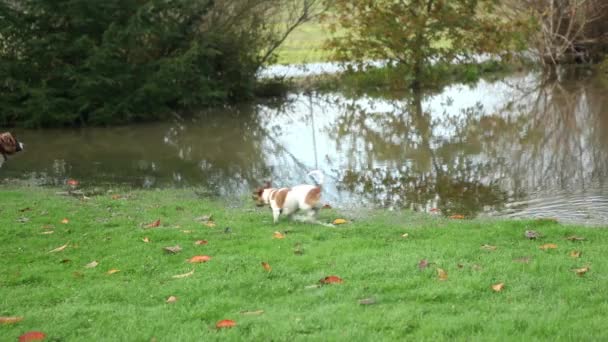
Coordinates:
<point>388,290</point>
<point>305,45</point>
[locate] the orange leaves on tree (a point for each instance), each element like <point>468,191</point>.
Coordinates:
<point>199,259</point>
<point>278,235</point>
<point>442,274</point>
<point>548,246</point>
<point>225,323</point>
<point>153,224</point>
<point>32,336</point>
<point>266,266</point>
<point>498,287</point>
<point>332,279</point>
<point>10,320</point>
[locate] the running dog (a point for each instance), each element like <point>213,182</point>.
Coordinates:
<point>8,145</point>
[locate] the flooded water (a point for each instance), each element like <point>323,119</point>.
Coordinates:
<point>522,146</point>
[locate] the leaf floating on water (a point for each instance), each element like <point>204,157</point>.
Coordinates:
<point>581,271</point>
<point>498,287</point>
<point>548,246</point>
<point>367,301</point>
<point>112,271</point>
<point>575,254</point>
<point>200,242</point>
<point>171,299</point>
<point>575,238</point>
<point>183,275</point>
<point>443,275</point>
<point>339,221</point>
<point>10,320</point>
<point>488,247</point>
<point>199,259</point>
<point>153,224</point>
<point>65,221</point>
<point>92,264</point>
<point>59,249</point>
<point>32,336</point>
<point>266,266</point>
<point>423,264</point>
<point>457,217</point>
<point>278,235</point>
<point>331,280</point>
<point>225,323</point>
<point>172,249</point>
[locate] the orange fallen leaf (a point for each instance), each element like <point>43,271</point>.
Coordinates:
<point>331,280</point>
<point>115,197</point>
<point>145,239</point>
<point>153,224</point>
<point>199,259</point>
<point>177,276</point>
<point>59,249</point>
<point>200,242</point>
<point>65,221</point>
<point>225,323</point>
<point>32,336</point>
<point>209,224</point>
<point>266,266</point>
<point>457,217</point>
<point>498,287</point>
<point>10,320</point>
<point>575,254</point>
<point>581,271</point>
<point>171,299</point>
<point>443,275</point>
<point>339,221</point>
<point>92,264</point>
<point>112,271</point>
<point>548,246</point>
<point>278,235</point>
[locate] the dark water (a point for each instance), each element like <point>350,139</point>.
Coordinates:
<point>522,146</point>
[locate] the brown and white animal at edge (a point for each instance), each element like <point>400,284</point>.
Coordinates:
<point>287,201</point>
<point>8,145</point>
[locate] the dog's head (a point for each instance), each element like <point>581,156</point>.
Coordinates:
<point>258,194</point>
<point>9,144</point>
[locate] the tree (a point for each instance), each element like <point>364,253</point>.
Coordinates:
<point>412,34</point>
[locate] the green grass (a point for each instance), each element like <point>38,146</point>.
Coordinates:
<point>56,294</point>
<point>305,45</point>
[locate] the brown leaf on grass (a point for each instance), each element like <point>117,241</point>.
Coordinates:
<point>48,226</point>
<point>548,246</point>
<point>59,249</point>
<point>116,197</point>
<point>177,276</point>
<point>65,221</point>
<point>153,224</point>
<point>171,299</point>
<point>331,280</point>
<point>47,232</point>
<point>278,235</point>
<point>367,301</point>
<point>204,218</point>
<point>255,312</point>
<point>523,260</point>
<point>266,266</point>
<point>225,323</point>
<point>210,224</point>
<point>200,242</point>
<point>92,264</point>
<point>575,238</point>
<point>423,264</point>
<point>112,271</point>
<point>498,287</point>
<point>10,320</point>
<point>339,221</point>
<point>581,271</point>
<point>488,247</point>
<point>575,254</point>
<point>199,259</point>
<point>405,235</point>
<point>145,239</point>
<point>32,336</point>
<point>457,217</point>
<point>443,275</point>
<point>172,249</point>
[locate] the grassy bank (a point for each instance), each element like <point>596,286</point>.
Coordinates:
<point>54,291</point>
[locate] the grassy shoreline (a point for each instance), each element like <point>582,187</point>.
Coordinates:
<point>54,292</point>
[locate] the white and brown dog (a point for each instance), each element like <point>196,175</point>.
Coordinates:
<point>8,145</point>
<point>287,201</point>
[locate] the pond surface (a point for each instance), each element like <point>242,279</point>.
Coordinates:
<point>522,146</point>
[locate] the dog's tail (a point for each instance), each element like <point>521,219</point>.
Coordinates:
<point>317,176</point>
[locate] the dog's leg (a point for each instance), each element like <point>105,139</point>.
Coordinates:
<point>275,214</point>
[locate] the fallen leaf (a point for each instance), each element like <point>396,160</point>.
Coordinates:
<point>532,234</point>
<point>339,221</point>
<point>498,287</point>
<point>405,236</point>
<point>65,221</point>
<point>423,264</point>
<point>183,275</point>
<point>266,266</point>
<point>575,238</point>
<point>210,224</point>
<point>576,254</point>
<point>32,336</point>
<point>255,312</point>
<point>153,224</point>
<point>47,232</point>
<point>115,197</point>
<point>199,259</point>
<point>172,249</point>
<point>10,320</point>
<point>204,218</point>
<point>200,242</point>
<point>112,271</point>
<point>92,264</point>
<point>581,271</point>
<point>488,247</point>
<point>523,260</point>
<point>171,299</point>
<point>225,323</point>
<point>457,217</point>
<point>278,235</point>
<point>145,239</point>
<point>443,275</point>
<point>548,246</point>
<point>331,280</point>
<point>367,301</point>
<point>314,286</point>
<point>59,249</point>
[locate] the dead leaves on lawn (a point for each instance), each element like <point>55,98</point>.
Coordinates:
<point>581,271</point>
<point>92,264</point>
<point>498,287</point>
<point>575,238</point>
<point>332,279</point>
<point>179,276</point>
<point>266,266</point>
<point>225,323</point>
<point>59,249</point>
<point>278,235</point>
<point>548,246</point>
<point>10,320</point>
<point>154,224</point>
<point>199,259</point>
<point>173,249</point>
<point>32,336</point>
<point>171,299</point>
<point>442,274</point>
<point>576,254</point>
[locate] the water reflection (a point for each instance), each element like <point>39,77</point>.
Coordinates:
<point>521,146</point>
